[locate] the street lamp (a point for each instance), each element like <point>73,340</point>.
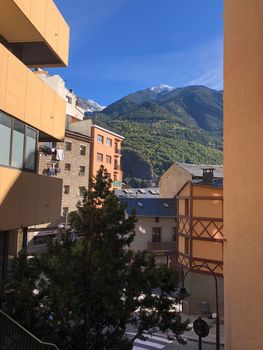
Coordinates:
<point>182,294</point>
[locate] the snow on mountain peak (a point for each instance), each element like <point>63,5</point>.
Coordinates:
<point>89,105</point>
<point>162,88</point>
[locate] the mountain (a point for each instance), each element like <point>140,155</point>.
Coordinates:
<point>163,124</point>
<point>89,106</point>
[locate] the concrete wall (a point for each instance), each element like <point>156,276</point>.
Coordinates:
<point>144,228</point>
<point>26,97</point>
<point>243,187</point>
<point>27,198</point>
<point>172,181</point>
<point>72,178</point>
<point>202,289</point>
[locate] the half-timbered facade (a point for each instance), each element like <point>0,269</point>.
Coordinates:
<point>200,232</point>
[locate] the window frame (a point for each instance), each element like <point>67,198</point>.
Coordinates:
<point>102,139</point>
<point>108,157</point>
<point>82,173</point>
<point>26,127</point>
<point>67,171</point>
<point>64,188</point>
<point>110,143</point>
<point>154,234</point>
<point>69,143</point>
<point>100,160</point>
<point>85,150</point>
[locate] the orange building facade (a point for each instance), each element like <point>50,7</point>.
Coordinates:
<point>243,188</point>
<point>106,151</point>
<point>200,238</point>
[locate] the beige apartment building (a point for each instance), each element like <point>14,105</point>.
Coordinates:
<point>30,111</point>
<point>155,230</point>
<point>243,188</point>
<point>179,173</point>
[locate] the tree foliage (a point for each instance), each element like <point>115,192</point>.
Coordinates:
<point>86,293</point>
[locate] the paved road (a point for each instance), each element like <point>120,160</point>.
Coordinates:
<point>158,342</point>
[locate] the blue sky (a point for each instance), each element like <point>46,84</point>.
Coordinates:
<point>121,46</point>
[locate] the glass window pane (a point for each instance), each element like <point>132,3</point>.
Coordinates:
<point>31,137</point>
<point>5,132</point>
<point>18,144</point>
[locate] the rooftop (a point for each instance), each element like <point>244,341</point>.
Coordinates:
<point>152,207</point>
<point>197,169</point>
<point>151,192</point>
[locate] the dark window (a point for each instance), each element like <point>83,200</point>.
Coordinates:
<point>99,157</point>
<point>156,234</point>
<point>82,150</point>
<point>67,166</point>
<point>157,219</point>
<point>82,191</point>
<point>108,159</point>
<point>66,189</point>
<point>68,146</point>
<point>186,209</point>
<point>81,170</point>
<point>116,166</point>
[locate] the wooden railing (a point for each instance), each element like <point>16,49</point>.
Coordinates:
<point>15,337</point>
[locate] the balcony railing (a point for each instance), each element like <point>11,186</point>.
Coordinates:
<point>117,151</point>
<point>14,336</point>
<point>161,246</point>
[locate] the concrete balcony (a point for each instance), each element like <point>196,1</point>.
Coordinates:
<point>28,199</point>
<point>25,96</point>
<point>35,31</point>
<point>161,246</point>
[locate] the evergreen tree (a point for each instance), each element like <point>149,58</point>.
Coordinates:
<point>89,291</point>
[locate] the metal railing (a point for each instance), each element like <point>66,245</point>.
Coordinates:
<point>15,337</point>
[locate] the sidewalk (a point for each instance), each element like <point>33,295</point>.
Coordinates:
<point>211,338</point>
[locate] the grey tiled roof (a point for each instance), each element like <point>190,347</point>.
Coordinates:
<point>197,169</point>
<point>150,206</point>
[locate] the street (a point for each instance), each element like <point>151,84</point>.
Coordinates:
<point>158,341</point>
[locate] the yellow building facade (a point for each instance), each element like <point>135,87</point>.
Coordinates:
<point>32,34</point>
<point>200,239</point>
<point>243,189</point>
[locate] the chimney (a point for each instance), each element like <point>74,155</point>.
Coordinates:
<point>208,175</point>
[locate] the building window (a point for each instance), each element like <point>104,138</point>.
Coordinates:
<point>108,159</point>
<point>5,139</point>
<point>68,146</point>
<point>81,170</point>
<point>173,234</point>
<point>115,177</point>
<point>116,166</point>
<point>99,157</point>
<point>82,190</point>
<point>100,138</point>
<point>109,142</point>
<point>18,143</point>
<point>186,245</point>
<point>186,209</point>
<point>157,219</point>
<point>65,211</point>
<point>82,150</point>
<point>156,234</point>
<point>67,167</point>
<point>31,144</point>
<point>66,189</point>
